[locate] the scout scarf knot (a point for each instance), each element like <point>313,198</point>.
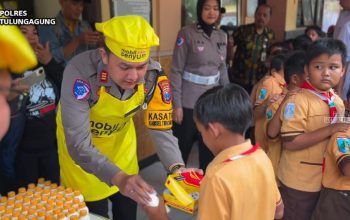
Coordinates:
<point>327,97</point>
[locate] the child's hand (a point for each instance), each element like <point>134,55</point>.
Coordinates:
<point>156,213</point>
<point>274,98</point>
<point>339,127</point>
<point>43,53</point>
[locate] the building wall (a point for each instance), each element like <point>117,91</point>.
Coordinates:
<point>45,8</point>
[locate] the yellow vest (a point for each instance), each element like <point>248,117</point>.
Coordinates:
<point>113,134</point>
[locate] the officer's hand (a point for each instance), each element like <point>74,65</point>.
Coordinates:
<point>156,213</point>
<point>178,115</point>
<point>185,170</point>
<point>133,186</point>
<point>339,127</point>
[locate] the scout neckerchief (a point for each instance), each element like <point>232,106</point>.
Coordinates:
<point>327,97</point>
<point>244,154</point>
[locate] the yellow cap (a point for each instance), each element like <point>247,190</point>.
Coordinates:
<point>16,53</point>
<point>129,37</point>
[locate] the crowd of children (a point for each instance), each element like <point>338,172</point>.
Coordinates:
<point>300,120</point>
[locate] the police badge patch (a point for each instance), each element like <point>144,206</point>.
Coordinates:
<point>179,41</point>
<point>343,145</point>
<point>81,89</point>
<point>165,90</point>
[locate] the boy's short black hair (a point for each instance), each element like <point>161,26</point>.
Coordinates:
<point>326,46</point>
<point>277,48</point>
<point>277,62</point>
<point>228,105</point>
<point>294,65</point>
<point>301,42</point>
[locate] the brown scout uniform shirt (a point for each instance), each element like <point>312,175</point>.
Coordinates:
<point>338,149</point>
<point>273,146</point>
<point>198,54</point>
<point>271,85</point>
<point>304,112</point>
<point>242,189</point>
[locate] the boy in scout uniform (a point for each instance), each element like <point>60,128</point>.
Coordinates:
<point>335,196</point>
<point>294,76</point>
<point>268,91</point>
<point>101,91</point>
<point>240,172</point>
<point>309,118</point>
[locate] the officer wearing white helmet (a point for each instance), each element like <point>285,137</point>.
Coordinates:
<point>101,91</point>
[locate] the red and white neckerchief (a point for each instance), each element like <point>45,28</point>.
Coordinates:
<point>327,97</point>
<point>243,154</point>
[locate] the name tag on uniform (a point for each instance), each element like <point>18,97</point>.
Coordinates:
<point>289,111</point>
<point>343,145</point>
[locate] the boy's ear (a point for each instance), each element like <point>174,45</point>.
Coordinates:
<point>294,79</point>
<point>214,129</point>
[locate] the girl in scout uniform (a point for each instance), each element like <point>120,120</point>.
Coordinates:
<point>101,91</point>
<point>198,65</point>
<point>309,118</point>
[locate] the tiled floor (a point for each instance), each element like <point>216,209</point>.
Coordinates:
<point>156,175</point>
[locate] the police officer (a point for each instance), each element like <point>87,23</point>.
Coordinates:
<point>198,65</point>
<point>101,91</point>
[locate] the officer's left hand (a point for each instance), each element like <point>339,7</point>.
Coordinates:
<point>134,187</point>
<point>185,170</point>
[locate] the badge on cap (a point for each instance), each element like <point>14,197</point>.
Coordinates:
<point>81,89</point>
<point>343,145</point>
<point>262,94</point>
<point>180,41</point>
<point>166,92</point>
<point>289,110</point>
